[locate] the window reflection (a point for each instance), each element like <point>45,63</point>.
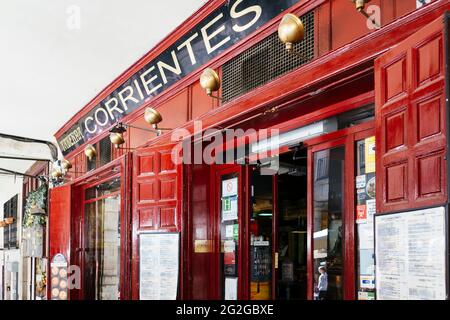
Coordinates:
<point>328,225</point>
<point>102,244</point>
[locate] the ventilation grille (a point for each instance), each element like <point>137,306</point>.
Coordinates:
<point>104,154</point>
<point>105,151</point>
<point>265,61</point>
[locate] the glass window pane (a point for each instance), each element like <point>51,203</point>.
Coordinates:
<point>102,244</point>
<point>103,189</point>
<point>365,213</point>
<point>229,234</point>
<point>328,209</point>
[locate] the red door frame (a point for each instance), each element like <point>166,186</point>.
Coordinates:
<point>246,247</point>
<point>119,168</point>
<point>219,171</point>
<point>347,138</point>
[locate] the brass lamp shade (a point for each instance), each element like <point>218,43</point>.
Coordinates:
<point>66,164</point>
<point>9,220</point>
<point>360,4</point>
<point>210,81</point>
<point>152,117</point>
<point>291,30</point>
<point>56,173</point>
<point>90,152</point>
<point>116,139</point>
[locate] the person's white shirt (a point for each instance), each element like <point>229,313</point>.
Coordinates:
<point>323,282</point>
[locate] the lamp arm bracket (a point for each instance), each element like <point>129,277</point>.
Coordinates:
<point>144,129</point>
<point>217,97</point>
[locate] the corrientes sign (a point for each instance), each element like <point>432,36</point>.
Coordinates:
<point>223,28</point>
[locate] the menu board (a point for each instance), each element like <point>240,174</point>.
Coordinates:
<point>158,266</point>
<point>410,255</point>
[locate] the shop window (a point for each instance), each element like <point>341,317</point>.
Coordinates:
<point>103,189</point>
<point>328,237</point>
<point>365,214</point>
<point>265,61</point>
<point>229,233</point>
<point>102,242</point>
<point>10,240</point>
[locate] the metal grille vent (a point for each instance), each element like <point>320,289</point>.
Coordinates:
<point>105,151</point>
<point>265,61</point>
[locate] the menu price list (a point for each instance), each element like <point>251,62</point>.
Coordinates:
<point>410,255</point>
<point>159,255</point>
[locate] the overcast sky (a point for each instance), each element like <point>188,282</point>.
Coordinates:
<point>56,55</point>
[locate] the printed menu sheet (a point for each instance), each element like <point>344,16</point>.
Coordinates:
<point>410,255</point>
<point>158,266</point>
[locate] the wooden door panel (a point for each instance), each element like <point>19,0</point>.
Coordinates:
<point>157,198</point>
<point>60,212</point>
<point>394,76</point>
<point>411,122</point>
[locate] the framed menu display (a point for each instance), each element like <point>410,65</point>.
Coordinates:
<point>158,266</point>
<point>410,255</point>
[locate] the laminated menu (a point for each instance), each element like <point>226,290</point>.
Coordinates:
<point>158,266</point>
<point>410,255</point>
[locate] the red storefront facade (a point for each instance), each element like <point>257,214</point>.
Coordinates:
<point>358,85</point>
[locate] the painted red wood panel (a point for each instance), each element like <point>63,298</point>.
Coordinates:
<point>343,32</point>
<point>201,103</point>
<point>410,122</point>
<point>157,200</point>
<point>59,222</point>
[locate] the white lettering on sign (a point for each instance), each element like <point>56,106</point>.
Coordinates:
<point>257,10</point>
<point>224,27</point>
<point>208,37</point>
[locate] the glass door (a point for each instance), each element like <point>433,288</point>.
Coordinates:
<point>229,198</point>
<point>365,208</point>
<point>260,225</point>
<point>102,226</point>
<point>328,221</point>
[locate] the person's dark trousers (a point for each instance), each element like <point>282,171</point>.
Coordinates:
<point>322,295</point>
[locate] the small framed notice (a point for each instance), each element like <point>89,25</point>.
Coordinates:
<point>231,288</point>
<point>158,266</point>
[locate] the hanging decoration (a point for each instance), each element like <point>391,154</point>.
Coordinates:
<point>34,222</point>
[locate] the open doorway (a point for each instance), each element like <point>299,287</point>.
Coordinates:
<point>278,229</point>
